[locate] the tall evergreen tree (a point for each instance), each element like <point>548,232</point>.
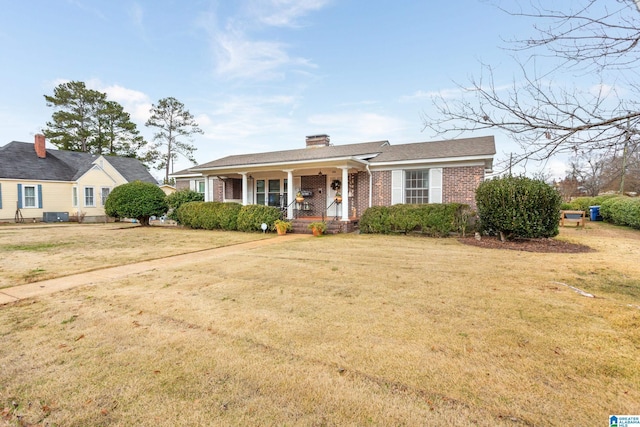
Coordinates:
<point>74,121</point>
<point>86,121</point>
<point>118,135</point>
<point>173,122</point>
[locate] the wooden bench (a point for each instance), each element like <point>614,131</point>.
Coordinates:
<point>578,217</point>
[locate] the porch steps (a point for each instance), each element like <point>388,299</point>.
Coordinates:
<point>300,226</point>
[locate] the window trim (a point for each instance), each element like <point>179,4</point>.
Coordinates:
<point>103,199</point>
<point>74,196</point>
<point>93,197</point>
<point>22,197</point>
<point>421,199</point>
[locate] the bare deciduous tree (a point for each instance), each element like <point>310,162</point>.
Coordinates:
<point>598,39</point>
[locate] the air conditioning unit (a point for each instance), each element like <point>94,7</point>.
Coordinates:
<point>55,216</point>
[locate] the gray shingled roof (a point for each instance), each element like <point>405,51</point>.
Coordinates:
<point>374,152</point>
<point>315,153</point>
<point>18,160</point>
<point>468,147</point>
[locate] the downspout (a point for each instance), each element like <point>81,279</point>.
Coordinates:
<point>370,183</point>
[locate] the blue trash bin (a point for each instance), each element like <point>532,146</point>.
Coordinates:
<point>595,213</point>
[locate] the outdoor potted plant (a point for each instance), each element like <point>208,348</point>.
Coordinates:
<point>282,226</point>
<point>299,197</point>
<point>318,228</point>
<point>338,197</point>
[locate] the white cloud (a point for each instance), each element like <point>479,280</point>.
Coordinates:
<point>134,102</point>
<point>136,13</point>
<point>450,93</point>
<point>284,13</point>
<point>239,57</point>
<point>240,53</point>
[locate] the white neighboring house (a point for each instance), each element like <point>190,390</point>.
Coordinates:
<point>40,184</point>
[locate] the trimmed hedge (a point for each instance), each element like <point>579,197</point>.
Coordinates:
<point>209,215</point>
<point>139,200</point>
<point>584,203</point>
<point>251,217</point>
<point>621,210</point>
<point>428,219</point>
<point>174,200</point>
<point>518,207</point>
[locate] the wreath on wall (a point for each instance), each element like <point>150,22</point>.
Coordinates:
<point>335,184</point>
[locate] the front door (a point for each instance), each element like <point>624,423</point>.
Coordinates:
<point>334,186</point>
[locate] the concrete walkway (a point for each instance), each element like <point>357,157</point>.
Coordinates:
<point>44,287</point>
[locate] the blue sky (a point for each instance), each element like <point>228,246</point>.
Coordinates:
<point>258,75</point>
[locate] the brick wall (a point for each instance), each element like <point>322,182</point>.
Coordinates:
<point>459,184</point>
<point>317,201</point>
<point>360,199</point>
<point>182,184</point>
<point>218,190</point>
<point>232,188</point>
<point>381,183</point>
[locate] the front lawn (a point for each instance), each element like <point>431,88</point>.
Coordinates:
<point>343,330</point>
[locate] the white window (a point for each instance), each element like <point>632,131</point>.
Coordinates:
<point>30,196</point>
<point>201,187</point>
<point>104,193</point>
<point>416,186</point>
<point>74,197</point>
<point>88,197</point>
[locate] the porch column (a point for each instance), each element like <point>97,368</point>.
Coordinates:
<point>245,191</point>
<point>290,195</point>
<point>345,193</point>
<point>207,188</point>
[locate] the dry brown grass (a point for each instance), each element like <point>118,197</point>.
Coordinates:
<point>33,253</point>
<point>341,330</point>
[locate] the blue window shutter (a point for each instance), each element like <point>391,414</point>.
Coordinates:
<point>39,196</point>
<point>19,196</point>
<point>0,196</point>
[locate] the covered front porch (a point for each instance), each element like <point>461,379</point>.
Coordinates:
<point>327,189</point>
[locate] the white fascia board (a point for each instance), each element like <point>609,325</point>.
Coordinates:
<point>185,175</point>
<point>282,165</point>
<point>36,181</point>
<point>453,160</point>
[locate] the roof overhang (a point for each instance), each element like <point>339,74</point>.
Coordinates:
<point>350,162</point>
<point>484,160</point>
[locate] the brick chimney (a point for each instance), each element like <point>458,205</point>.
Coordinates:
<point>39,145</point>
<point>314,141</point>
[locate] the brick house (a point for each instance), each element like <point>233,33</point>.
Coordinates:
<point>365,174</point>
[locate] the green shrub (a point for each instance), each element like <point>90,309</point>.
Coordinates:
<point>428,219</point>
<point>226,216</point>
<point>598,200</point>
<point>581,204</point>
<point>139,200</point>
<point>621,211</point>
<point>251,217</point>
<point>209,215</point>
<point>375,219</point>
<point>188,215</point>
<point>518,207</point>
<point>176,199</point>
<point>443,219</point>
<point>403,218</point>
